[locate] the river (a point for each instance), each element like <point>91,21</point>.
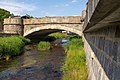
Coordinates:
<point>34,64</point>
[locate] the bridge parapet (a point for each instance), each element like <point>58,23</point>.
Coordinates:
<point>51,20</point>
<point>10,21</point>
<point>101,13</point>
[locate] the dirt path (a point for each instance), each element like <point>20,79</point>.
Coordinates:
<point>34,65</point>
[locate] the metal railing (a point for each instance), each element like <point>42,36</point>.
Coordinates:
<point>91,5</point>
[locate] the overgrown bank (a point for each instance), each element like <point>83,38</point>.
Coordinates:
<point>11,46</point>
<point>75,62</point>
<point>74,67</point>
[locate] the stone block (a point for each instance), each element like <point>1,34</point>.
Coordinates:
<point>116,73</point>
<point>110,70</point>
<point>114,51</point>
<point>118,53</point>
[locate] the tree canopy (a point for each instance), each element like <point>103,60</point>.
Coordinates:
<point>4,13</point>
<point>27,16</point>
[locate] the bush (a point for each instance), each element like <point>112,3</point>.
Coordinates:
<point>43,45</point>
<point>11,46</point>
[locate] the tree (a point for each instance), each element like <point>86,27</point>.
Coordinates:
<point>27,16</point>
<point>4,14</point>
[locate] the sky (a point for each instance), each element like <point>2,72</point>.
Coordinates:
<point>41,8</point>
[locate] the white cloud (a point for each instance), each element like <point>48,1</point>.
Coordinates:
<point>73,1</point>
<point>16,7</point>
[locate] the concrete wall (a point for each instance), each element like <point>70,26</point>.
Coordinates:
<point>103,53</point>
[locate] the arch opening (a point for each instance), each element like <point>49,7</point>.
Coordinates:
<point>47,29</point>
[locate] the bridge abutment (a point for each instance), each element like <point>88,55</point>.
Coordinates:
<point>13,26</point>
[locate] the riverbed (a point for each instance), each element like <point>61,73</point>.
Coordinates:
<point>34,65</point>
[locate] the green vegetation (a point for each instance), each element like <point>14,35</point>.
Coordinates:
<point>25,40</point>
<point>43,45</point>
<point>75,62</point>
<point>27,16</point>
<point>11,46</point>
<point>4,14</point>
<point>58,35</point>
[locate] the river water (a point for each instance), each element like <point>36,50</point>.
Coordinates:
<point>34,64</point>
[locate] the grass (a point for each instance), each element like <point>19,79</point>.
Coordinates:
<point>58,35</point>
<point>75,62</point>
<point>43,45</point>
<point>11,46</point>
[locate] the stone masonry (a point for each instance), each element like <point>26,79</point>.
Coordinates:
<point>105,44</point>
<point>102,39</point>
<point>28,26</point>
<point>13,26</point>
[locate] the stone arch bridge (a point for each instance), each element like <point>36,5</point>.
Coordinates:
<point>36,26</point>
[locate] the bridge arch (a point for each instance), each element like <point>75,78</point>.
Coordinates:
<point>59,27</point>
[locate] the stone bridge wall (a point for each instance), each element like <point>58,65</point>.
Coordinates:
<point>102,39</point>
<point>21,26</point>
<point>103,53</point>
<point>13,25</point>
<point>57,20</point>
<point>75,28</point>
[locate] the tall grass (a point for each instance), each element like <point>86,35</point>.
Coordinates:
<point>75,62</point>
<point>11,46</point>
<point>43,45</point>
